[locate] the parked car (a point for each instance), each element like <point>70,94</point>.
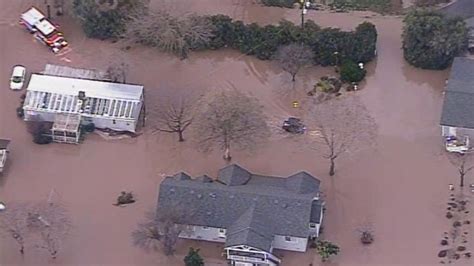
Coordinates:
<point>18,78</point>
<point>294,125</point>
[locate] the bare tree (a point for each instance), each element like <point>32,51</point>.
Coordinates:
<point>463,162</point>
<point>231,119</point>
<point>174,113</point>
<point>293,57</point>
<point>160,230</point>
<point>51,224</point>
<point>341,125</point>
<point>13,224</point>
<point>172,34</point>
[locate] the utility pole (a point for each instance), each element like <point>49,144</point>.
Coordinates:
<point>48,8</point>
<point>304,9</point>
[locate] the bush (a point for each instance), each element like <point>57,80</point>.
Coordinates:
<point>431,40</point>
<point>193,258</point>
<point>351,72</point>
<point>109,20</point>
<point>280,3</point>
<point>263,42</point>
<point>326,249</point>
<point>40,139</point>
<point>89,127</point>
<point>20,113</point>
<point>103,25</point>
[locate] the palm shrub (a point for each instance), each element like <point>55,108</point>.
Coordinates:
<point>351,72</point>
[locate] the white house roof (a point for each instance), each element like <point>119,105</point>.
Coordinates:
<point>92,88</point>
<point>61,95</point>
<point>32,16</point>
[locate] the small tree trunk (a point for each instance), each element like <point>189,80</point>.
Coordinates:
<point>22,249</point>
<point>293,77</point>
<point>332,168</point>
<point>180,134</point>
<point>461,184</point>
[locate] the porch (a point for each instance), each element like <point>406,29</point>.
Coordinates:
<point>247,256</point>
<point>66,128</point>
<point>455,140</point>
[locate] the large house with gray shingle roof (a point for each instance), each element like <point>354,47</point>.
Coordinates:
<point>251,214</point>
<point>457,116</point>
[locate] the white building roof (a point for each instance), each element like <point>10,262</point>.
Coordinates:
<point>45,27</point>
<point>32,16</point>
<point>105,99</point>
<point>92,88</point>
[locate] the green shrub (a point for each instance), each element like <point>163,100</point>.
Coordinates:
<point>193,258</point>
<point>280,3</point>
<point>326,249</point>
<point>105,23</point>
<point>351,72</point>
<point>431,40</point>
<point>252,39</point>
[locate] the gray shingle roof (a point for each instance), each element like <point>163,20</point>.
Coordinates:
<point>458,106</point>
<point>316,209</point>
<point>233,175</point>
<point>252,228</point>
<point>285,208</point>
<point>461,8</point>
<point>302,182</point>
<point>470,23</point>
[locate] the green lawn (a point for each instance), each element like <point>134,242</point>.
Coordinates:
<point>375,5</point>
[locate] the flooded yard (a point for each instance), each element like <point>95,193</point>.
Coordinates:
<point>399,189</point>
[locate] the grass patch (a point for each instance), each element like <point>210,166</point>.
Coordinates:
<point>382,6</point>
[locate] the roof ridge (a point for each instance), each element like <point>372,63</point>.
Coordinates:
<point>250,229</point>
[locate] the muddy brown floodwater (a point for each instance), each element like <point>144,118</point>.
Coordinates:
<point>399,189</point>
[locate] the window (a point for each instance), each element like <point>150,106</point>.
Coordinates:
<point>205,228</point>
<point>221,233</point>
<point>312,225</point>
<point>287,238</point>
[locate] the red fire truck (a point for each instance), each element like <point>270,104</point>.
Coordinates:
<point>43,30</point>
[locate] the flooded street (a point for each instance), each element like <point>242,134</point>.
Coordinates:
<point>399,189</point>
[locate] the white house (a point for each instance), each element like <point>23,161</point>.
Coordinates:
<point>251,214</point>
<point>108,105</point>
<point>457,116</point>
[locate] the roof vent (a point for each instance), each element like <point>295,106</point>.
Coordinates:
<point>82,95</point>
<point>231,196</point>
<point>199,196</point>
<point>172,190</point>
<point>209,213</point>
<point>275,201</point>
<point>212,195</point>
<point>192,191</point>
<point>284,205</point>
<point>255,199</point>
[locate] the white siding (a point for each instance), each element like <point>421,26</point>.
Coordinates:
<point>99,122</point>
<point>296,243</point>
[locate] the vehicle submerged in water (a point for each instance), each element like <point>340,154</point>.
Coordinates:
<point>43,30</point>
